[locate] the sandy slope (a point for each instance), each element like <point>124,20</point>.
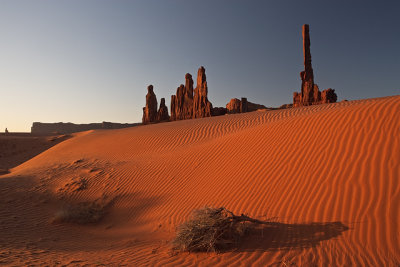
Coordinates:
<point>329,173</point>
<point>16,149</point>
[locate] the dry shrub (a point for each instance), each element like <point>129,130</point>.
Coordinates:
<point>81,213</point>
<point>212,230</point>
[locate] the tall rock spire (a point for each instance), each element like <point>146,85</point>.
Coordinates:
<point>150,110</point>
<point>182,102</point>
<point>201,106</point>
<point>310,93</point>
<point>308,96</point>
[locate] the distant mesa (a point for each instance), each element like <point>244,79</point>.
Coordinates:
<point>310,94</point>
<point>40,128</point>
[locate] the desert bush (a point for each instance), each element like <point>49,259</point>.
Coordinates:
<point>81,213</point>
<point>212,230</point>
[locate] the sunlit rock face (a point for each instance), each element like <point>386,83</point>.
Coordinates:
<point>201,106</point>
<point>189,103</point>
<point>182,102</point>
<point>150,110</point>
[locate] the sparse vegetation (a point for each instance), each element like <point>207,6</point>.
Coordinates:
<point>81,213</point>
<point>212,230</point>
<point>78,184</point>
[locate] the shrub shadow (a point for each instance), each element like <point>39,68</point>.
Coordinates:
<point>282,236</point>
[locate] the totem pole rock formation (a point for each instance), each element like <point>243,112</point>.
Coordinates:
<point>310,93</point>
<point>189,103</point>
<point>162,114</point>
<point>150,110</point>
<point>182,102</point>
<point>201,106</point>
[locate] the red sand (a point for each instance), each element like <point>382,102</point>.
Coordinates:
<point>317,169</point>
<point>16,149</point>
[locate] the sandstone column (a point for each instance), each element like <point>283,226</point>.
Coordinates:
<point>201,106</point>
<point>307,76</point>
<point>150,110</point>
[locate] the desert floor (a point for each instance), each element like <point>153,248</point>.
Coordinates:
<point>328,175</point>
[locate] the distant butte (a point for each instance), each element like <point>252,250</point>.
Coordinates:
<point>310,94</point>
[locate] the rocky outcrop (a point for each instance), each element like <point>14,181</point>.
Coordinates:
<point>242,106</point>
<point>162,114</point>
<point>328,96</point>
<point>201,106</point>
<point>187,109</point>
<point>182,102</point>
<point>233,106</point>
<point>40,128</point>
<point>188,103</point>
<point>307,76</point>
<point>310,94</point>
<point>150,110</point>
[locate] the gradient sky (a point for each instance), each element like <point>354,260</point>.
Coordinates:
<point>91,61</point>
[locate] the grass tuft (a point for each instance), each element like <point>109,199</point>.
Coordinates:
<point>81,213</point>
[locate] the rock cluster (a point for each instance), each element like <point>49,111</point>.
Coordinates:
<point>328,96</point>
<point>236,106</point>
<point>189,103</point>
<point>182,102</point>
<point>310,94</point>
<point>242,106</point>
<point>150,113</point>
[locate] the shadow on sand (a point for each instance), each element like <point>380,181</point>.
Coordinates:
<point>281,236</point>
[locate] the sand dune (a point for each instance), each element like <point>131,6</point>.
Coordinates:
<point>329,174</point>
<point>18,148</point>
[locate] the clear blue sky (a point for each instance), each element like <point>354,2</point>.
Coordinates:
<point>91,61</point>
